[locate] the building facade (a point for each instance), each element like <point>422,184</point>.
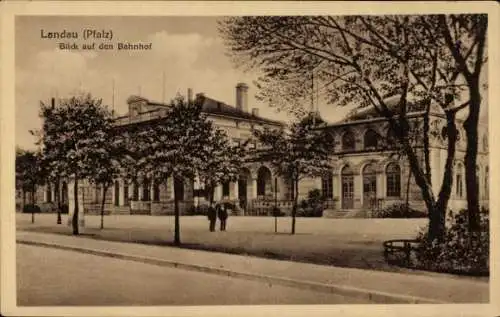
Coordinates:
<point>367,174</point>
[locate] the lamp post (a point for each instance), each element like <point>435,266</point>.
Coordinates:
<point>275,205</point>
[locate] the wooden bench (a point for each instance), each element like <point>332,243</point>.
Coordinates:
<point>400,249</point>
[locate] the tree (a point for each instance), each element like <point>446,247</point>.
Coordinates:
<point>73,138</point>
<point>465,38</point>
<point>172,146</point>
<point>28,175</point>
<point>359,60</point>
<point>222,161</point>
<point>303,151</point>
<point>108,157</point>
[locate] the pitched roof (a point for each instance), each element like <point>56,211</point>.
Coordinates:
<point>212,106</point>
<point>392,104</point>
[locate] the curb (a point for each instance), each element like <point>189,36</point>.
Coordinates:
<point>343,290</point>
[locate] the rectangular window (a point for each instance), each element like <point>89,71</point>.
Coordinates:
<point>327,188</point>
<point>49,194</point>
<point>393,185</point>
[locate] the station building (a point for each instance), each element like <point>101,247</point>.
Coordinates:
<point>366,175</point>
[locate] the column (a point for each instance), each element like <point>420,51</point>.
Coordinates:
<point>171,186</point>
<point>358,191</point>
<point>152,190</point>
<point>380,185</point>
<point>218,193</point>
<point>196,189</point>
<point>122,192</point>
<point>234,191</point>
<point>254,189</point>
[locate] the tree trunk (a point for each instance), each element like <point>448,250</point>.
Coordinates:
<point>436,222</point>
<point>408,191</point>
<point>470,126</point>
<point>33,190</point>
<point>24,198</point>
<point>177,232</point>
<point>295,203</point>
<point>439,218</point>
<point>58,201</point>
<point>426,129</point>
<point>102,204</point>
<point>74,221</point>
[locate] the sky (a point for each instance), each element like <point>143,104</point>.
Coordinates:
<point>186,52</point>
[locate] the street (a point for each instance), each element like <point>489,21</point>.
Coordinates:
<point>49,276</point>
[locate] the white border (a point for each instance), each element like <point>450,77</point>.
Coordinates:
<point>158,8</point>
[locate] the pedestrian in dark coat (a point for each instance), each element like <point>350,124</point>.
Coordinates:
<point>223,214</point>
<point>212,217</point>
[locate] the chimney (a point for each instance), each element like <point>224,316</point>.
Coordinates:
<point>190,95</point>
<point>242,97</point>
<point>255,112</point>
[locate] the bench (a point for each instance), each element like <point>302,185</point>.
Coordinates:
<point>399,251</point>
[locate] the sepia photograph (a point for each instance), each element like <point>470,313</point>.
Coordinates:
<point>248,159</point>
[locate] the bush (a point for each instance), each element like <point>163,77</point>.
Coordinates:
<point>398,210</point>
<point>31,209</point>
<point>277,212</point>
<point>64,209</point>
<point>460,251</point>
<point>201,210</point>
<point>313,206</point>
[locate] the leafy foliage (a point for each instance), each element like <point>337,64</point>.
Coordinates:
<point>398,210</point>
<point>302,151</point>
<point>76,140</point>
<point>29,171</point>
<point>461,251</point>
<point>30,208</point>
<point>222,161</point>
<point>75,136</point>
<point>313,206</point>
<point>362,60</point>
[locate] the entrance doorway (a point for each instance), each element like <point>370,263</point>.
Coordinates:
<point>347,188</point>
<point>369,187</point>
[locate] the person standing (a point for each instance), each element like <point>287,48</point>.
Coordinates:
<point>212,217</point>
<point>223,214</point>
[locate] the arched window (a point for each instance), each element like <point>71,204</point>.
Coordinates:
<point>125,191</point>
<point>392,140</point>
<point>348,141</point>
<point>459,187</point>
<point>49,193</point>
<point>64,193</point>
<point>370,139</point>
<point>264,181</point>
<point>225,189</point>
<point>327,186</point>
<point>156,190</point>
<point>393,177</point>
<point>179,185</point>
<point>117,193</point>
<point>485,143</point>
<point>146,190</point>
<point>135,192</point>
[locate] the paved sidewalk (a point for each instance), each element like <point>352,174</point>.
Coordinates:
<point>374,286</point>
